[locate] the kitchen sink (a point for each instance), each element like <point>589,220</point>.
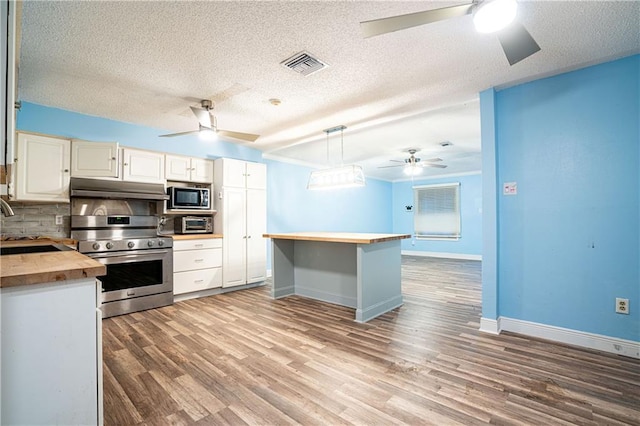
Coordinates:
<point>33,249</point>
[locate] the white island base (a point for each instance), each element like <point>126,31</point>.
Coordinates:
<point>360,271</point>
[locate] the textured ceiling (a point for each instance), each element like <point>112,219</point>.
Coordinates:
<point>146,62</point>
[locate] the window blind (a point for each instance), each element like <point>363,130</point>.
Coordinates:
<point>437,213</point>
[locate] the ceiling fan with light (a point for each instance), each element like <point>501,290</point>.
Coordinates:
<point>413,165</point>
<point>488,16</point>
<point>208,126</point>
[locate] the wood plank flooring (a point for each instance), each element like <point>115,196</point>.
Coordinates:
<point>242,358</point>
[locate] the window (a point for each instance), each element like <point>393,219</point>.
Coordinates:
<point>437,213</point>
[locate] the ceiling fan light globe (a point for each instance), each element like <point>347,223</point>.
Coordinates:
<point>492,16</point>
<point>208,134</point>
<point>412,170</point>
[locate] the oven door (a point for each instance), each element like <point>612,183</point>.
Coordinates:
<point>135,273</point>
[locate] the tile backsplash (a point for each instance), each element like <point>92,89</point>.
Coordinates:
<point>36,220</point>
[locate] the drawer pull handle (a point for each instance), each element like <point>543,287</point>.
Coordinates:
<point>198,281</point>
<point>198,260</point>
<point>199,245</point>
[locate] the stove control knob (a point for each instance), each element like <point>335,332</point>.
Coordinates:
<point>96,246</point>
<point>130,244</point>
<point>160,243</point>
<point>109,246</point>
<point>150,243</point>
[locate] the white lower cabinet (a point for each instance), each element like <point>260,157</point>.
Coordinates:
<point>51,354</point>
<point>197,265</point>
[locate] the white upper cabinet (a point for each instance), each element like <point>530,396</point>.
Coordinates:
<point>256,175</point>
<point>240,174</point>
<point>142,166</point>
<point>42,168</point>
<point>94,159</point>
<point>188,169</point>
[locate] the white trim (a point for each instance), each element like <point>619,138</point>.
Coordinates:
<point>287,160</point>
<point>436,185</point>
<point>441,176</point>
<point>269,274</point>
<point>442,255</point>
<point>599,342</point>
<point>490,326</point>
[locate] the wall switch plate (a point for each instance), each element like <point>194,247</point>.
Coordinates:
<point>510,188</point>
<point>58,219</point>
<point>622,306</point>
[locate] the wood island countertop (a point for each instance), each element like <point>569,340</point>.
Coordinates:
<point>338,237</point>
<point>38,268</point>
<point>195,236</point>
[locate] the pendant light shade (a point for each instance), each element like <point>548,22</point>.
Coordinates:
<point>349,176</point>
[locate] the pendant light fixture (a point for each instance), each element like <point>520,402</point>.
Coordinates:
<point>337,177</point>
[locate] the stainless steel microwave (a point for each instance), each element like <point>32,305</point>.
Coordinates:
<point>188,198</point>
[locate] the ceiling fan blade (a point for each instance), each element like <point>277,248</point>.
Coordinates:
<point>247,137</point>
<point>517,43</point>
<point>387,25</point>
<point>433,160</point>
<point>398,161</point>
<point>386,167</point>
<point>437,166</point>
<point>180,134</point>
<point>203,116</point>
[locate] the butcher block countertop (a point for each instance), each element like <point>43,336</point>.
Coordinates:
<point>38,268</point>
<point>339,237</point>
<point>195,236</point>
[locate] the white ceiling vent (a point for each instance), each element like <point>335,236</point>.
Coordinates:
<point>303,63</point>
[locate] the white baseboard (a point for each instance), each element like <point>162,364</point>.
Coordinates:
<point>490,326</point>
<point>599,342</point>
<point>442,255</point>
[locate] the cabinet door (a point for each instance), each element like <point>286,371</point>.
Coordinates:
<point>256,176</point>
<point>42,168</point>
<point>201,170</point>
<point>233,173</point>
<point>234,242</point>
<point>94,159</point>
<point>177,167</point>
<point>143,166</point>
<point>256,227</point>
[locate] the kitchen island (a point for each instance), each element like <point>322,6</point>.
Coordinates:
<point>357,270</point>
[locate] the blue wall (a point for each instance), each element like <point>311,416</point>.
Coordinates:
<point>470,210</point>
<point>58,122</point>
<point>294,208</point>
<point>290,206</point>
<point>568,242</point>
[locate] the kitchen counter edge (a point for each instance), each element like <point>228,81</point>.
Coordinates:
<point>339,237</point>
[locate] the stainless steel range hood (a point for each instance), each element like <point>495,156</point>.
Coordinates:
<point>97,188</point>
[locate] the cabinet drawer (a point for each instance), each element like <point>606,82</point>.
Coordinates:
<point>186,282</point>
<point>204,243</point>
<point>196,259</point>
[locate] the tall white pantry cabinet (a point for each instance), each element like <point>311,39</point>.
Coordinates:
<point>241,202</point>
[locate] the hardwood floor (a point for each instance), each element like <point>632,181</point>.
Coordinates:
<point>242,358</point>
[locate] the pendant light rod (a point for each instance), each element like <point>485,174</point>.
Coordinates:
<point>340,129</point>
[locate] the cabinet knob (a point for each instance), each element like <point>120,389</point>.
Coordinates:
<point>113,158</point>
<point>249,236</point>
<point>126,164</point>
<point>66,170</point>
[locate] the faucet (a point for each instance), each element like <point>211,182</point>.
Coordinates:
<point>5,208</point>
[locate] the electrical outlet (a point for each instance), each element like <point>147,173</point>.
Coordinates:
<point>622,306</point>
<point>58,219</point>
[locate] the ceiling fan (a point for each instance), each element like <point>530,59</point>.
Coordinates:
<point>488,16</point>
<point>413,165</point>
<point>208,125</point>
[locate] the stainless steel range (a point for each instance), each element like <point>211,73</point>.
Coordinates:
<point>119,229</point>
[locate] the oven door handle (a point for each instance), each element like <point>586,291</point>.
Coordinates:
<point>131,256</point>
